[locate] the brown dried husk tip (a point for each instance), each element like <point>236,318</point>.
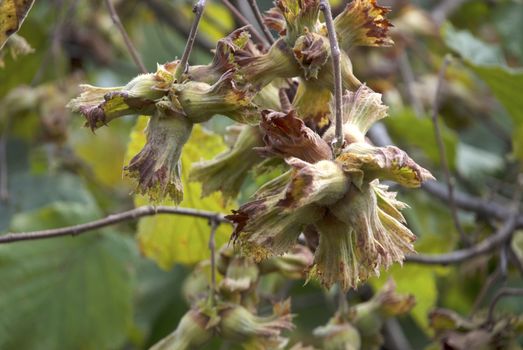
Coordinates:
<point>299,16</point>
<point>157,167</point>
<point>99,105</point>
<point>235,46</point>
<point>287,136</point>
<point>363,23</point>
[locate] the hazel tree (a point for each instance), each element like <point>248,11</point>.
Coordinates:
<point>328,213</point>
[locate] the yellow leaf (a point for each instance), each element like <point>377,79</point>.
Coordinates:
<point>12,14</point>
<point>170,239</point>
<point>103,153</point>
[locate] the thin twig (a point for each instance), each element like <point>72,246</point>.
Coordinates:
<point>198,12</point>
<point>503,234</point>
<point>132,214</point>
<point>445,9</point>
<point>259,19</point>
<point>244,21</point>
<point>63,18</point>
<point>128,43</point>
<point>503,259</point>
<point>285,103</point>
<point>442,152</point>
<point>395,335</point>
<point>504,292</point>
<point>335,53</point>
<point>164,14</point>
<point>212,247</point>
<point>408,78</point>
<point>4,182</point>
<point>515,260</point>
<point>491,280</point>
<point>501,237</point>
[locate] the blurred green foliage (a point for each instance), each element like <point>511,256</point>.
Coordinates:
<point>120,288</point>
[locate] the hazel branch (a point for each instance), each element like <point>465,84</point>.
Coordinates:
<point>407,75</point>
<point>335,53</point>
<point>446,8</point>
<point>503,234</point>
<point>259,19</point>
<point>489,282</point>
<point>244,21</point>
<point>132,214</point>
<point>212,247</point>
<point>128,43</point>
<point>4,192</point>
<point>198,11</point>
<point>441,150</point>
<point>500,238</point>
<point>515,260</point>
<point>502,293</point>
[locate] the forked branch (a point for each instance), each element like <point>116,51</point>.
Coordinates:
<point>198,12</point>
<point>259,19</point>
<point>335,53</point>
<point>244,21</point>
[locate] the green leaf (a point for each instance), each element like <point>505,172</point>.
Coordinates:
<point>431,222</point>
<point>170,239</point>
<point>471,48</point>
<point>474,163</point>
<point>159,301</point>
<point>508,20</point>
<point>65,293</point>
<point>505,83</point>
<point>28,191</point>
<point>92,150</point>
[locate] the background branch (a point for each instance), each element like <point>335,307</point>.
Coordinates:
<point>501,238</point>
<point>445,8</point>
<point>259,19</point>
<point>407,75</point>
<point>484,247</point>
<point>212,247</point>
<point>441,149</point>
<point>132,214</point>
<point>163,13</point>
<point>244,21</point>
<point>4,182</point>
<point>503,292</point>
<point>128,43</point>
